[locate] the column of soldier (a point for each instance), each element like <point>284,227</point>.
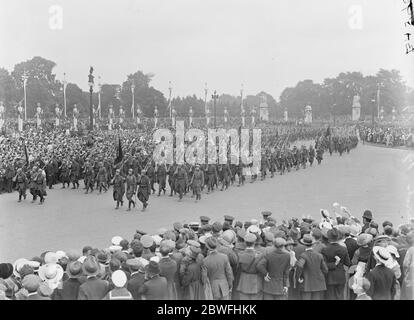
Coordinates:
<point>136,175</point>
<point>336,257</point>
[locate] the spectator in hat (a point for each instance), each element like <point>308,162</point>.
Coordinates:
<point>93,288</point>
<point>32,283</point>
<point>336,257</point>
<point>119,292</point>
<point>249,283</point>
<point>168,270</point>
<point>382,279</point>
<point>225,246</point>
<point>6,272</point>
<point>316,233</point>
<point>311,271</point>
<point>366,219</point>
<point>218,270</point>
<point>155,287</point>
<point>191,276</point>
<point>70,287</point>
<point>395,267</point>
<point>274,267</point>
<point>350,242</point>
<point>137,278</point>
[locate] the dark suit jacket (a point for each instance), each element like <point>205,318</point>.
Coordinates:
<point>312,268</point>
<point>93,289</point>
<point>277,264</point>
<point>155,289</point>
<point>69,291</point>
<point>336,273</point>
<point>135,283</point>
<point>382,283</point>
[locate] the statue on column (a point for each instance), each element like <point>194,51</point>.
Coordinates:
<point>155,116</point>
<point>226,115</point>
<point>58,113</point>
<point>356,108</point>
<point>110,117</point>
<point>121,114</point>
<point>38,115</point>
<point>174,115</point>
<point>308,114</point>
<point>243,116</point>
<point>20,115</point>
<point>2,111</point>
<point>190,113</point>
<point>75,117</point>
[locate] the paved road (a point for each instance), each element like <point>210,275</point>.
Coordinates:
<point>369,177</point>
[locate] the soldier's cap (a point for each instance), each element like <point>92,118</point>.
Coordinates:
<point>266,213</point>
<point>228,218</point>
<point>204,219</point>
<point>140,232</point>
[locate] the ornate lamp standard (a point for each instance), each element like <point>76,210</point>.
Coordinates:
<point>90,83</point>
<point>64,94</point>
<point>133,101</point>
<point>215,97</point>
<point>25,77</point>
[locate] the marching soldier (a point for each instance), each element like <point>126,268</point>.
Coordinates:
<point>102,177</point>
<point>144,189</point>
<point>41,185</point>
<point>119,188</point>
<point>161,172</point>
<point>21,182</point>
<point>181,180</point>
<point>319,155</point>
<point>131,188</point>
<point>64,174</point>
<point>32,185</point>
<point>311,155</point>
<point>74,174</point>
<point>197,181</point>
<point>151,176</point>
<point>171,178</point>
<point>89,174</point>
<point>212,176</point>
<point>226,176</point>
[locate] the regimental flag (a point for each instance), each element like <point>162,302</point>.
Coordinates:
<point>120,155</point>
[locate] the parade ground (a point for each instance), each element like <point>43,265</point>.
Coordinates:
<point>369,177</point>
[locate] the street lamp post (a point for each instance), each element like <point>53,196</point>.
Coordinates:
<point>90,83</point>
<point>64,94</point>
<point>373,111</point>
<point>133,99</point>
<point>215,97</point>
<point>25,77</point>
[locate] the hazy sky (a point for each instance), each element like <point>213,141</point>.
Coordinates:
<point>264,44</point>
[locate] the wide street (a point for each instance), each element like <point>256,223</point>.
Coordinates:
<point>369,177</point>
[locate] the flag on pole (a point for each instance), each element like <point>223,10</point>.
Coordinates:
<point>119,155</point>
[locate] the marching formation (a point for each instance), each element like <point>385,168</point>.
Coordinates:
<point>336,258</point>
<point>100,162</point>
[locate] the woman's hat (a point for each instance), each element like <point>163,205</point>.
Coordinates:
<point>31,283</point>
<point>119,278</point>
<point>51,273</point>
<point>211,243</point>
<point>103,257</point>
<point>381,254</point>
<point>147,241</point>
<point>363,239</point>
<point>333,235</point>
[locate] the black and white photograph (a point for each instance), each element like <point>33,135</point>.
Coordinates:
<point>223,151</point>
